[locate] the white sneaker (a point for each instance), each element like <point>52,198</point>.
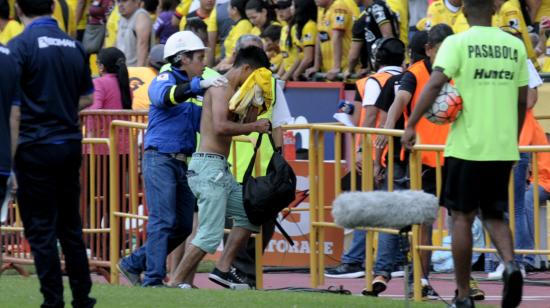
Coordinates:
<point>497,274</point>
<point>185,286</point>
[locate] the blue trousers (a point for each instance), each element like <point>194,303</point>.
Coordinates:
<point>170,203</point>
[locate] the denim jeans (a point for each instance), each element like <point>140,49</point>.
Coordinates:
<point>171,204</point>
<point>526,239</point>
<point>523,239</point>
<point>386,251</point>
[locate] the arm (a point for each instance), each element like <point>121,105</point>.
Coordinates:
<point>85,101</point>
<point>211,53</point>
<point>80,7</point>
<point>278,136</point>
<point>532,97</point>
<point>15,117</point>
<point>522,107</point>
<point>432,88</point>
<point>385,29</point>
<point>370,116</point>
<point>533,6</point>
<point>337,42</point>
<point>221,117</point>
<point>307,60</point>
<point>401,101</point>
<point>143,33</point>
<point>165,93</point>
<point>354,53</point>
<point>317,60</point>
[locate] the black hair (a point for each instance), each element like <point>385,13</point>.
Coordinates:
<point>253,56</point>
<point>195,24</point>
<point>305,10</point>
<point>150,5</point>
<point>272,32</point>
<point>240,5</point>
<point>4,9</point>
<point>258,6</point>
<point>478,8</point>
<point>168,5</point>
<point>33,8</point>
<point>388,51</point>
<point>114,62</point>
<point>438,34</point>
<point>417,46</point>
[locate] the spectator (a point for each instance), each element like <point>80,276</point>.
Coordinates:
<point>65,16</point>
<point>112,28</point>
<point>197,26</point>
<point>151,6</point>
<point>219,25</point>
<point>543,47</point>
<point>417,11</point>
<point>242,26</point>
<point>141,78</point>
<point>181,11</point>
<point>9,28</point>
<point>94,33</point>
<point>261,15</point>
<point>163,27</point>
<point>305,28</point>
<point>171,137</point>
<point>400,9</point>
<point>289,51</point>
<point>134,32</point>
<point>479,152</point>
<point>376,22</point>
<point>112,89</point>
<point>334,39</point>
<point>441,12</point>
<point>203,12</point>
<point>55,82</point>
<point>271,36</point>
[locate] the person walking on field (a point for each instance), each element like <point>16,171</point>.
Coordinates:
<point>490,72</point>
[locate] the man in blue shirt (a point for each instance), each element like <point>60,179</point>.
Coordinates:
<point>54,79</point>
<point>174,120</point>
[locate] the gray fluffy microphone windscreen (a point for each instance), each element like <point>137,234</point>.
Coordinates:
<point>382,209</point>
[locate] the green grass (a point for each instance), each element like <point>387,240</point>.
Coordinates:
<point>21,292</point>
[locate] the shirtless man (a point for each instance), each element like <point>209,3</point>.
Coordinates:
<point>211,181</point>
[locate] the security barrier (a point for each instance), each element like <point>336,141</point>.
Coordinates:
<point>17,250</point>
<point>319,206</point>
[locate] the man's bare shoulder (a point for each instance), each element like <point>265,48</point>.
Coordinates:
<point>215,93</point>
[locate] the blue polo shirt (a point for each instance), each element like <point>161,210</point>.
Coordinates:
<point>8,97</point>
<point>54,74</point>
<point>173,129</point>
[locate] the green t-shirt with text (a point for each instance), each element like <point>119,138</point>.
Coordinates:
<point>488,66</point>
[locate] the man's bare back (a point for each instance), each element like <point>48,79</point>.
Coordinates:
<point>217,127</point>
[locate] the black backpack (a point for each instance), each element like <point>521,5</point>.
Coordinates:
<point>265,196</point>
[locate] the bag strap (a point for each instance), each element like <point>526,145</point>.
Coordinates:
<point>286,236</point>
<point>248,172</point>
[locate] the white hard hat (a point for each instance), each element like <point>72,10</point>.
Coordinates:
<point>182,41</point>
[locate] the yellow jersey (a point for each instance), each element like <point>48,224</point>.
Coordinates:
<point>401,10</point>
<point>11,30</point>
<point>546,63</point>
<point>82,23</point>
<point>11,3</point>
<point>289,51</point>
<point>140,79</point>
<point>337,17</point>
<point>64,13</point>
<point>242,27</point>
<point>439,13</point>
<point>183,8</point>
<point>510,15</point>
<point>256,31</point>
<point>308,38</point>
<point>353,7</point>
<point>544,10</point>
<point>112,28</point>
<point>461,24</point>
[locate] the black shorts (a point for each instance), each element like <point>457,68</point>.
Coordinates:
<point>471,185</point>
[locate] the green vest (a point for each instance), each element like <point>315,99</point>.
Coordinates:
<point>207,73</point>
<point>245,150</point>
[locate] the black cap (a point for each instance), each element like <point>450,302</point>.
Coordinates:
<point>283,4</point>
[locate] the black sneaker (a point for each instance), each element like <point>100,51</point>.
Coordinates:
<point>346,270</point>
<point>134,279</point>
<point>429,292</point>
<point>463,303</point>
<point>230,280</point>
<point>513,286</point>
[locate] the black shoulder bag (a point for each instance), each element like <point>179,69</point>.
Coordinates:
<point>265,196</point>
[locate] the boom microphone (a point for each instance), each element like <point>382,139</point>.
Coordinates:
<point>382,209</point>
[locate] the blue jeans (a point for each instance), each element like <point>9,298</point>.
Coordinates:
<point>356,252</point>
<point>389,254</point>
<point>523,239</point>
<point>170,203</point>
<point>526,239</point>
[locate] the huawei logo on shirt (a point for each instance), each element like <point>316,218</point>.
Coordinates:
<point>45,42</point>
